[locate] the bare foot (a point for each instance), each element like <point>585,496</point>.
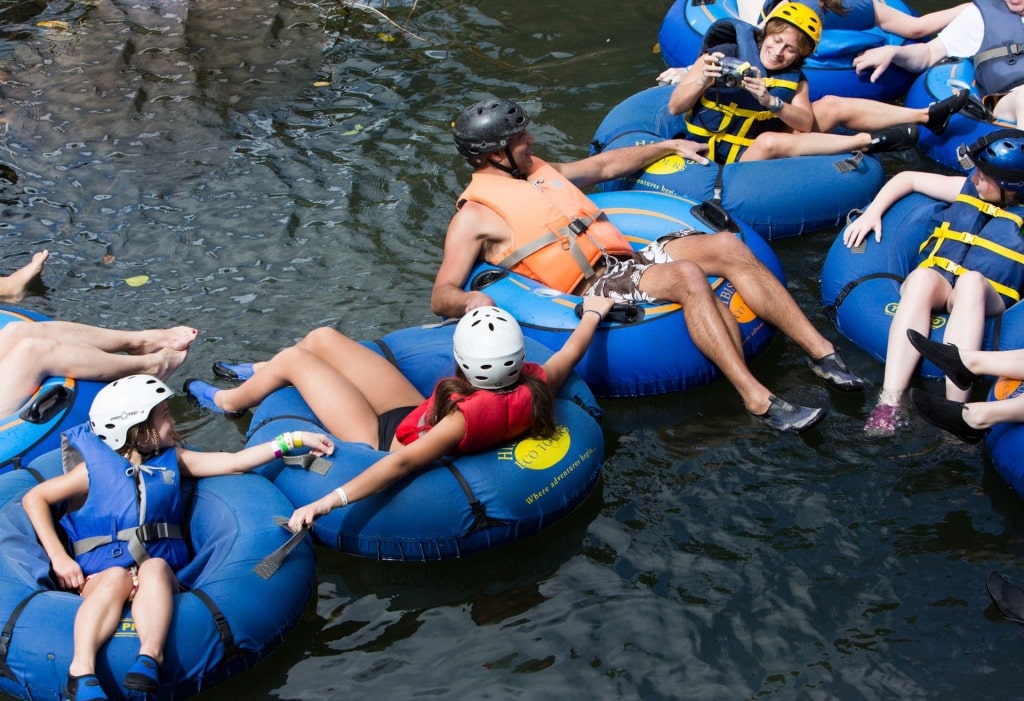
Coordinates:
<point>166,361</point>
<point>15,284</point>
<point>177,338</point>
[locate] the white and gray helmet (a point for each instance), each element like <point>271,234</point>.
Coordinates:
<point>489,348</point>
<point>125,403</point>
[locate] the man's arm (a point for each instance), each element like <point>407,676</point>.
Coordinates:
<point>915,58</point>
<point>624,161</point>
<point>463,247</point>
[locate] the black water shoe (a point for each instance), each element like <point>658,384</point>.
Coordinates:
<point>783,416</point>
<point>947,415</point>
<point>944,356</point>
<point>898,138</point>
<point>239,372</point>
<point>940,112</point>
<point>833,370</point>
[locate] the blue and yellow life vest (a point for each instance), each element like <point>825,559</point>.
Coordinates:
<point>729,119</point>
<point>999,62</point>
<point>859,16</point>
<point>132,512</point>
<point>975,235</point>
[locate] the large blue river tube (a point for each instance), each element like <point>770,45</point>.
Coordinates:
<point>228,618</point>
<point>778,198</point>
<point>829,69</point>
<point>861,287</point>
<point>59,403</point>
<point>1005,441</point>
<point>966,126</point>
<point>460,506</point>
<point>648,349</point>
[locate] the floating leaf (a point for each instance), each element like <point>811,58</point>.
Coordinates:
<point>354,130</point>
<point>108,259</point>
<point>53,24</point>
<point>321,83</point>
<point>137,281</point>
<point>385,37</point>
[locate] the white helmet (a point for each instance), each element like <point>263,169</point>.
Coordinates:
<point>125,403</point>
<point>489,348</point>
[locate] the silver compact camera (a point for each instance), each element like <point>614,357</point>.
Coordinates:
<point>734,70</point>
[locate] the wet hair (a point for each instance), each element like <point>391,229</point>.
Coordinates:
<point>833,6</point>
<point>804,44</point>
<point>144,438</point>
<point>544,425</point>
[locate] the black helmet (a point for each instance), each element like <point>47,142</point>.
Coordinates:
<point>487,127</point>
<point>1000,156</point>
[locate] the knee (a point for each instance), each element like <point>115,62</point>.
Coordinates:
<point>971,282</point>
<point>827,110</point>
<point>770,144</point>
<point>116,581</point>
<point>688,276</point>
<point>155,566</point>
<point>319,337</point>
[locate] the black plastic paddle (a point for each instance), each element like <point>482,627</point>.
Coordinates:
<point>270,564</point>
<point>1008,598</point>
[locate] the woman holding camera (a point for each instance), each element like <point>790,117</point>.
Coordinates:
<point>747,98</point>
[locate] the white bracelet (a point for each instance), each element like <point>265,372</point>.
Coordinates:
<point>340,491</point>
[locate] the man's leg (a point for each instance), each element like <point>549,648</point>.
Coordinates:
<point>686,284</point>
<point>724,254</point>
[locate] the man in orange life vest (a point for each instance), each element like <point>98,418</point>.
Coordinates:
<point>505,216</point>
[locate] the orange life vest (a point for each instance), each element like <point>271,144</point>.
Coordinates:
<point>558,232</point>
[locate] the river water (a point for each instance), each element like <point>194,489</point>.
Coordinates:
<point>265,167</point>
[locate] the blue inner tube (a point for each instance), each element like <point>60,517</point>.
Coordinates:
<point>460,506</point>
<point>647,351</point>
<point>777,198</point>
<point>861,286</point>
<point>1005,442</point>
<point>829,69</point>
<point>58,404</point>
<point>965,127</point>
<point>222,623</point>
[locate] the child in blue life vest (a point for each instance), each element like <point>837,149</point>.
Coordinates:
<point>360,396</point>
<point>972,265</point>
<point>126,467</point>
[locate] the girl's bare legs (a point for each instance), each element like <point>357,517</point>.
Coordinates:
<point>922,291</point>
<point>109,340</point>
<point>971,301</point>
<point>103,597</point>
<point>346,384</point>
<point>152,607</point>
<point>32,360</point>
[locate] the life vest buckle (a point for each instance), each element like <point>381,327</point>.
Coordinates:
<point>578,226</point>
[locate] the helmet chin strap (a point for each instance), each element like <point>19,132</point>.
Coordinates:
<point>511,169</point>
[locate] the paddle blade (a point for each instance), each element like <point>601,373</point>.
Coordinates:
<point>1008,598</point>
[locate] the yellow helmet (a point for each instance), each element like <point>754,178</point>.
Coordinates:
<point>800,16</point>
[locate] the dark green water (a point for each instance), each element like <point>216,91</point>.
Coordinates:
<point>188,143</point>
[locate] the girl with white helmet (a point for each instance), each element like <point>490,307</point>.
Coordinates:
<point>361,397</point>
<point>125,534</point>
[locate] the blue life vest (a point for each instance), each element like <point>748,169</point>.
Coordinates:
<point>975,235</point>
<point>132,512</point>
<point>999,63</point>
<point>728,119</point>
<point>860,14</point>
